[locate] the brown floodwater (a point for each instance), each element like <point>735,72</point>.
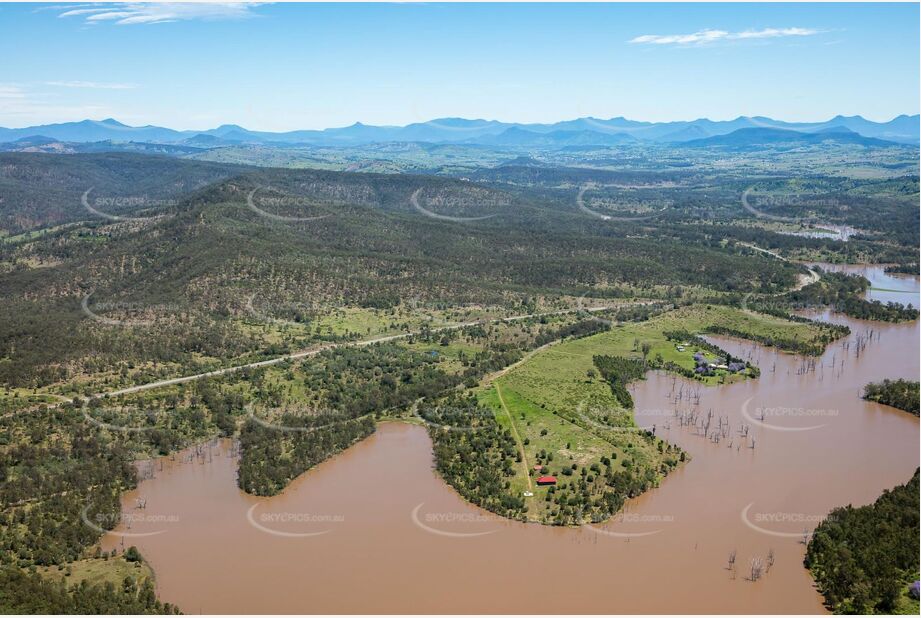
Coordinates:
<point>376,530</point>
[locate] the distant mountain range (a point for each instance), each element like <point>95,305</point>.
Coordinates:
<point>762,136</point>
<point>580,132</point>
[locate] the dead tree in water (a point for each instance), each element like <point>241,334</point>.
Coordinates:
<point>770,560</point>
<point>862,341</point>
<point>147,471</point>
<point>732,560</point>
<point>756,568</point>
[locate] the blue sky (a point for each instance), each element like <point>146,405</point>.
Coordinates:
<point>282,66</point>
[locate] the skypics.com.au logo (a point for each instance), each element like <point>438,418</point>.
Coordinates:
<point>801,205</point>
<point>102,206</point>
<point>580,203</point>
<point>480,203</point>
<point>269,206</point>
<point>129,314</point>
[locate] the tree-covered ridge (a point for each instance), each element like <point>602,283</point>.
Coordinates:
<point>42,191</point>
<point>901,394</point>
<point>864,558</point>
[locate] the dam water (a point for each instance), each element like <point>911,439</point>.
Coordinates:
<point>374,529</point>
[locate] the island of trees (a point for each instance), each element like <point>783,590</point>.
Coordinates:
<point>901,394</point>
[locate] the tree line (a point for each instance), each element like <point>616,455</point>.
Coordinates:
<point>864,558</point>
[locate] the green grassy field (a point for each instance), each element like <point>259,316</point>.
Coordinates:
<point>99,571</point>
<point>565,413</point>
<point>558,376</point>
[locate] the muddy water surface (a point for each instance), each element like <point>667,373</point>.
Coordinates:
<point>375,529</point>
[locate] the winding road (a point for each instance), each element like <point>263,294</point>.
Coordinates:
<point>811,278</point>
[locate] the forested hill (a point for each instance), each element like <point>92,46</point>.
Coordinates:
<point>40,190</point>
<point>356,237</point>
<point>330,240</point>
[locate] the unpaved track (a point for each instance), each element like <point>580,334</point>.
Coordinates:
<point>511,420</point>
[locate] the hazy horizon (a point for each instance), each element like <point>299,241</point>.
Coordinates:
<point>546,122</point>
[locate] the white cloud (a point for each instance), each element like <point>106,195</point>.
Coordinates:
<point>91,85</point>
<point>75,12</point>
<point>128,13</point>
<point>11,91</point>
<point>769,33</point>
<point>23,105</point>
<point>703,37</point>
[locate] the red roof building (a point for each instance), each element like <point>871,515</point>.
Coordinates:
<point>546,480</point>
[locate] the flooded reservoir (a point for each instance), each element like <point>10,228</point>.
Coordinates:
<point>375,529</point>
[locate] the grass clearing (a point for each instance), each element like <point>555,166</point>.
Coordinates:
<point>564,414</point>
<point>113,570</point>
